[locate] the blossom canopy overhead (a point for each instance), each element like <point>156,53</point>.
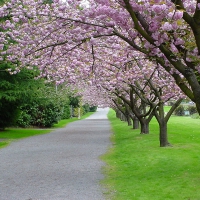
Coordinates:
<point>70,40</point>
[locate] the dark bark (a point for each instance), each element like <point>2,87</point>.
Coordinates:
<point>120,112</point>
<point>163,134</point>
<point>163,120</point>
<point>129,120</point>
<point>117,114</point>
<point>122,117</point>
<point>160,116</point>
<point>127,113</point>
<point>135,120</point>
<point>144,126</point>
<point>197,99</point>
<point>144,122</point>
<point>135,123</point>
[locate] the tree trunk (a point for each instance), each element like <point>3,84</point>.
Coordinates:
<point>127,114</point>
<point>198,104</point>
<point>121,116</point>
<point>163,134</point>
<point>135,123</point>
<point>162,121</point>
<point>129,120</point>
<point>117,114</point>
<point>144,126</point>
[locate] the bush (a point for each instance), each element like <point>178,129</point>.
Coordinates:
<point>66,112</point>
<point>93,109</point>
<point>192,109</point>
<point>40,113</point>
<point>195,116</point>
<point>179,111</point>
<point>24,120</point>
<point>86,108</point>
<point>51,114</point>
<point>76,112</point>
<point>9,113</point>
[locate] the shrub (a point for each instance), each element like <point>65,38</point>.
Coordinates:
<point>40,113</point>
<point>66,112</point>
<point>195,116</point>
<point>93,108</point>
<point>86,108</point>
<point>24,120</point>
<point>9,113</point>
<point>179,111</point>
<point>192,109</point>
<point>76,111</point>
<point>51,114</point>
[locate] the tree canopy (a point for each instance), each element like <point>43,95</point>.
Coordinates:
<point>61,38</point>
<point>109,48</point>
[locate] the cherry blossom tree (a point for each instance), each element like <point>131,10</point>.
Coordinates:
<point>140,86</point>
<point>71,41</point>
<point>53,36</point>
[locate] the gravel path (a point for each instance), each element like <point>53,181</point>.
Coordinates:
<point>61,165</point>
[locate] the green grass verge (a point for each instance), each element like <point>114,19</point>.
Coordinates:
<point>8,135</point>
<point>64,122</point>
<point>138,169</point>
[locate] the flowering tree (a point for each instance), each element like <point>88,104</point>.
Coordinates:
<point>56,34</point>
<point>139,87</point>
<point>71,41</point>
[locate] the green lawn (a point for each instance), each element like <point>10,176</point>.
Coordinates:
<point>138,169</point>
<point>167,108</point>
<point>10,134</point>
<point>64,122</point>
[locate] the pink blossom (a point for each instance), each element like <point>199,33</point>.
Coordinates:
<point>167,26</point>
<point>191,8</point>
<point>178,15</point>
<point>154,26</point>
<point>159,8</point>
<point>1,46</point>
<point>179,41</point>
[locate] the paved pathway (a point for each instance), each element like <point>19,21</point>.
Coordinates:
<point>62,165</point>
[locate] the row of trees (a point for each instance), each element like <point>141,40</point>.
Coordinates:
<point>138,96</point>
<point>133,55</point>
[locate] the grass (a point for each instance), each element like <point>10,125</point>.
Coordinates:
<point>64,122</point>
<point>10,134</point>
<point>167,108</point>
<point>138,169</point>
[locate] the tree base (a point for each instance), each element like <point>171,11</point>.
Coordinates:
<point>166,145</point>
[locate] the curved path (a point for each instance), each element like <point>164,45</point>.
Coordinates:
<point>61,165</point>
